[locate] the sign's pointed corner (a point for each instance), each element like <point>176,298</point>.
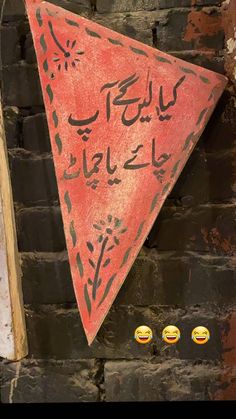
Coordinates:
<point>90,338</point>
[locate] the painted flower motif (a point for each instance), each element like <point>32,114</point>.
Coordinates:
<point>112,229</point>
<point>70,56</point>
<point>109,235</point>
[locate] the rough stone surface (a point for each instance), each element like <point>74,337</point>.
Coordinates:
<point>47,382</point>
<point>229,24</point>
<point>107,6</point>
<point>166,4</point>
<point>136,25</point>
<point>145,381</point>
<point>227,382</point>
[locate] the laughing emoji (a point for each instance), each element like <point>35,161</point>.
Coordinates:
<point>143,334</point>
<point>171,334</point>
<point>200,335</point>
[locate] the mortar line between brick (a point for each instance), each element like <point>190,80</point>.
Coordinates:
<point>211,311</point>
<point>196,208</point>
<point>170,254</point>
<point>161,10</point>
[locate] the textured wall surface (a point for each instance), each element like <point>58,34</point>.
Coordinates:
<point>185,273</point>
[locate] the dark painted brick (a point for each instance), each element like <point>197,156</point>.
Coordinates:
<point>174,278</point>
<point>10,45</point>
<point>208,60</point>
<point>49,381</point>
<point>29,51</point>
<point>136,25</point>
<point>46,278</point>
<point>56,332</point>
<point>215,174</point>
<point>33,179</point>
<point>12,125</point>
<point>197,30</point>
<point>40,229</point>
<point>166,4</point>
<point>13,10</point>
<point>35,133</point>
<point>209,228</point>
<point>172,380</point>
<point>106,6</point>
<point>75,6</point>
<point>21,86</point>
<point>220,132</point>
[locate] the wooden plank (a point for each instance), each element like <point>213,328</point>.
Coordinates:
<point>13,341</point>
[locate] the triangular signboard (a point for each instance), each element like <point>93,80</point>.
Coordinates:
<point>123,119</point>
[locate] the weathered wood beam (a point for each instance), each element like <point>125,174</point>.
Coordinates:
<point>13,340</point>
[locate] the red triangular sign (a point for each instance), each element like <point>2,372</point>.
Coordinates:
<point>123,120</point>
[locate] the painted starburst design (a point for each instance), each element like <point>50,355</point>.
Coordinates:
<point>70,57</point>
<point>110,229</point>
<point>68,54</point>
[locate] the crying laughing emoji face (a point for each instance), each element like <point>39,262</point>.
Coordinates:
<point>171,334</point>
<point>143,334</point>
<point>200,335</point>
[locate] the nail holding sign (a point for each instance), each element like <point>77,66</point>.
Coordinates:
<point>123,120</point>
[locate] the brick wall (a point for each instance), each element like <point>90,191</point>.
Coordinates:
<point>185,273</point>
